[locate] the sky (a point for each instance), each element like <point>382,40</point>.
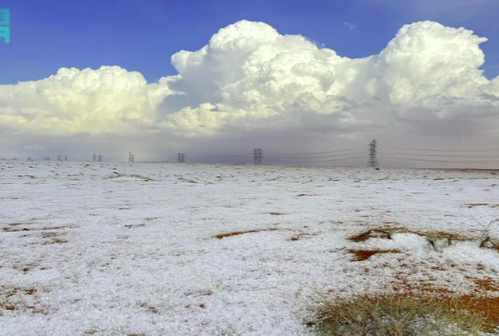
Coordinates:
<point>157,77</point>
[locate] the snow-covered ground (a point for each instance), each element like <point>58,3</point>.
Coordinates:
<point>119,249</point>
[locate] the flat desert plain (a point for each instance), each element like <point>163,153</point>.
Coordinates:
<point>184,249</point>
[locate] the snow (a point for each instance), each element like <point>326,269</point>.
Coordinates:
<point>120,249</point>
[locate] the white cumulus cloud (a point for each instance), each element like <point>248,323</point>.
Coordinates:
<point>249,77</point>
<point>109,99</point>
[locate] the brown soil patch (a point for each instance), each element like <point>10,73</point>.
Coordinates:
<point>50,234</point>
<point>386,233</point>
<point>150,308</point>
<point>55,241</point>
<point>13,291</point>
<point>488,307</point>
<point>471,205</point>
<point>487,284</point>
<point>474,302</point>
<point>361,255</point>
<point>129,226</point>
<point>237,233</point>
<point>275,213</point>
<point>370,234</point>
<point>15,228</point>
<point>300,236</point>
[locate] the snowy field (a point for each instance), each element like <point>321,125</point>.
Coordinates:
<point>119,249</point>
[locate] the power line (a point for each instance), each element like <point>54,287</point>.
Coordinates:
<point>438,149</point>
<point>393,157</point>
<point>437,155</point>
<point>318,153</point>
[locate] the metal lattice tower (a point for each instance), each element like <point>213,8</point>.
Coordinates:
<point>131,157</point>
<point>257,156</point>
<point>181,158</point>
<point>373,160</point>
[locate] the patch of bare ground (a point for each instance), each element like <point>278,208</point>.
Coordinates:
<point>487,284</point>
<point>136,176</point>
<point>372,233</point>
<point>472,205</point>
<point>300,236</point>
<point>130,226</point>
<point>150,308</point>
<point>481,301</point>
<point>237,233</point>
<point>55,241</point>
<point>50,234</point>
<point>361,255</point>
<point>17,228</point>
<point>18,299</point>
<point>387,232</point>
<point>437,239</point>
<point>276,213</point>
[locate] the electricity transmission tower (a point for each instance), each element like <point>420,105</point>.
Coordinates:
<point>373,160</point>
<point>181,158</point>
<point>257,156</point>
<point>131,157</point>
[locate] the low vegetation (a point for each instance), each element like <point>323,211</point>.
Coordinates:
<point>397,315</point>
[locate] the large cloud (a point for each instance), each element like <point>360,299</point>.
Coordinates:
<point>250,77</point>
<point>109,99</point>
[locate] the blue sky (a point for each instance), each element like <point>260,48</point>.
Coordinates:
<point>141,35</point>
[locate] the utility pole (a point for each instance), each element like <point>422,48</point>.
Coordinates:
<point>181,158</point>
<point>373,160</point>
<point>131,157</point>
<point>257,156</point>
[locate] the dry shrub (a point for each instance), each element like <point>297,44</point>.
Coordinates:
<point>361,255</point>
<point>397,315</point>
